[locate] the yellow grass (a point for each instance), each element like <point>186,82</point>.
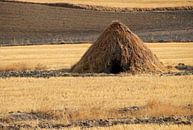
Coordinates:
<point>147,127</point>
<point>96,97</point>
<point>26,94</point>
<point>84,92</point>
<point>143,127</point>
<point>123,3</point>
<point>64,56</point>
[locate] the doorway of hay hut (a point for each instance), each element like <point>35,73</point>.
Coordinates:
<point>116,67</point>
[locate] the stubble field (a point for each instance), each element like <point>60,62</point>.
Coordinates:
<point>60,102</point>
<point>64,56</point>
<point>37,91</point>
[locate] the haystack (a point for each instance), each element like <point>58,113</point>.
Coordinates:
<point>117,50</point>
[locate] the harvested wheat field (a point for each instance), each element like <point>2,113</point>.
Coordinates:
<point>55,57</point>
<point>63,66</point>
<point>101,101</point>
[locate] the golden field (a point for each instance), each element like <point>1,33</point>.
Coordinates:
<point>95,97</point>
<point>64,56</point>
<point>26,94</point>
<point>145,127</point>
<point>122,3</point>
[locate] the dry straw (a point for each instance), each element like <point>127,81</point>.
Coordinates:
<point>117,50</point>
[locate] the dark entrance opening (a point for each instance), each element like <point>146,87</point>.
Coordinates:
<point>116,67</point>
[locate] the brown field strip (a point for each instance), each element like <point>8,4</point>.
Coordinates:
<point>121,3</point>
<point>27,23</point>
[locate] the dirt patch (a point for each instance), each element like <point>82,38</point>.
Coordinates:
<point>182,70</point>
<point>152,120</point>
<point>23,116</point>
<point>182,73</point>
<point>182,66</point>
<point>16,120</point>
<point>54,119</point>
<point>48,74</point>
<point>66,73</point>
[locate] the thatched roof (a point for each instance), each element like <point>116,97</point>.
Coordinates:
<point>116,50</point>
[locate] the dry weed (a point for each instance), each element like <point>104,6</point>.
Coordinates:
<point>22,67</point>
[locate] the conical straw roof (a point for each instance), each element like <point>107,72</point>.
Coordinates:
<point>117,50</point>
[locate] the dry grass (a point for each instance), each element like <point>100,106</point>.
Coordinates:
<point>96,97</point>
<point>145,127</point>
<point>22,67</point>
<point>73,98</point>
<point>153,108</point>
<point>26,94</point>
<point>157,108</point>
<point>50,57</point>
<point>64,56</point>
<point>122,3</point>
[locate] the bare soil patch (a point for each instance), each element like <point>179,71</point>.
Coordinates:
<point>182,70</point>
<point>125,116</point>
<point>66,73</point>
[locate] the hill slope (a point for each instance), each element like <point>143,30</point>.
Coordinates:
<point>35,23</point>
<point>122,3</point>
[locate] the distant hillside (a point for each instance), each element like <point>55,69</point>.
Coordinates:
<point>35,23</point>
<point>122,3</point>
<point>98,6</point>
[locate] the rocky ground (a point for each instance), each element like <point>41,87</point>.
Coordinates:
<point>47,120</point>
<point>165,120</point>
<point>182,70</point>
<point>46,74</point>
<point>60,73</point>
<point>18,120</point>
